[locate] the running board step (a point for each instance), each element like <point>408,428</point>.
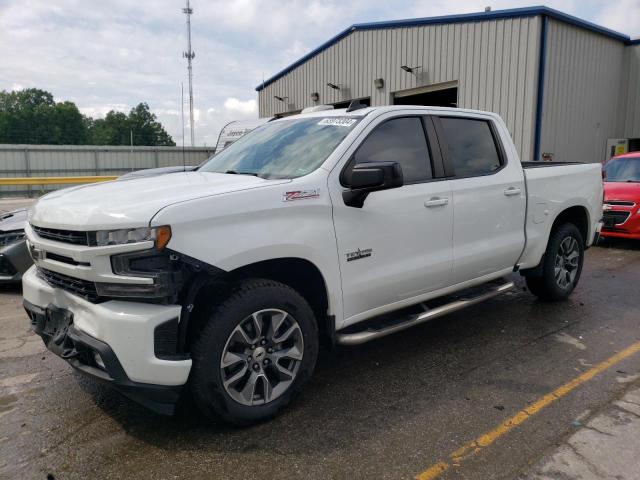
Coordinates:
<point>357,338</point>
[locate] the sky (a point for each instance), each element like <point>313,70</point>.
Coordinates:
<point>113,54</point>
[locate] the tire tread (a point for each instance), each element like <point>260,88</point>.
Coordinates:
<point>214,407</point>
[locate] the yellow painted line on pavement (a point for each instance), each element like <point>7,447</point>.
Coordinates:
<point>471,448</point>
<point>55,180</point>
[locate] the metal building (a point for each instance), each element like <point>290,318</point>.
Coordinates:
<point>567,89</point>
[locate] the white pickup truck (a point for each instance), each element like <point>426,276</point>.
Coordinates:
<point>336,227</point>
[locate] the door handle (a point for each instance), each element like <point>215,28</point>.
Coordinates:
<point>512,191</point>
<point>436,202</point>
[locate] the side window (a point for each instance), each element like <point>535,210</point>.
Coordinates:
<point>472,148</point>
<point>399,140</point>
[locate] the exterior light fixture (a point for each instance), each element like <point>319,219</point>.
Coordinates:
<point>315,96</point>
<point>409,69</point>
<point>282,99</point>
<point>333,85</point>
<point>378,83</point>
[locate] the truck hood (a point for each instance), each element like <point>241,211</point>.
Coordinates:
<point>629,191</point>
<point>132,203</point>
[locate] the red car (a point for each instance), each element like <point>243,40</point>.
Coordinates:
<point>622,196</point>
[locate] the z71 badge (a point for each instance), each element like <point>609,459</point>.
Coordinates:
<point>300,195</point>
<point>358,254</point>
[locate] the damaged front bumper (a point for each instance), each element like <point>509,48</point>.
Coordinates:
<point>113,342</point>
<point>96,359</point>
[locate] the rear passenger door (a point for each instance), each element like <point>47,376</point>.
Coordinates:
<point>489,199</point>
<point>398,245</point>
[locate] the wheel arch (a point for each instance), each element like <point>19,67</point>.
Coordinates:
<point>300,274</point>
<point>577,215</point>
<point>304,277</point>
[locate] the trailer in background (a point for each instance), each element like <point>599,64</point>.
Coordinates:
<point>232,131</point>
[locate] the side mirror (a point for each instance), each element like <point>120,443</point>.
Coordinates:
<point>371,177</point>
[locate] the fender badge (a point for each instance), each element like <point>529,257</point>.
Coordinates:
<point>358,254</point>
<point>300,195</point>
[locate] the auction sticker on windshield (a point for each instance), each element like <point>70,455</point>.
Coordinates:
<point>339,122</point>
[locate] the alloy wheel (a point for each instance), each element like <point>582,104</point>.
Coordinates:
<point>567,262</point>
<point>261,357</point>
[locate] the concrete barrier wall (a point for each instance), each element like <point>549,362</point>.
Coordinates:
<point>74,160</point>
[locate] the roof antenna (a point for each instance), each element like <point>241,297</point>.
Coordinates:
<point>184,162</point>
<point>355,105</point>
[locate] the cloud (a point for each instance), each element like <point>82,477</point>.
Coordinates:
<point>622,15</point>
<point>246,108</point>
<point>99,111</point>
<point>114,54</point>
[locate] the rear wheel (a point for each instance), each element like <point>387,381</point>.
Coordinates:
<point>562,264</point>
<point>255,353</point>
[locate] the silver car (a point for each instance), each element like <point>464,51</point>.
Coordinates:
<point>14,255</point>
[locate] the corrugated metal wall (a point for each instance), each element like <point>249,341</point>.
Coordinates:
<point>583,79</point>
<point>54,161</point>
<point>494,63</point>
<point>629,118</point>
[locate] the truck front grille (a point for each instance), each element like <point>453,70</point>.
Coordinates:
<point>614,217</point>
<point>622,203</point>
<point>77,286</point>
<point>65,236</point>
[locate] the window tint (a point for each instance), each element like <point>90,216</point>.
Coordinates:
<point>472,149</point>
<point>399,140</point>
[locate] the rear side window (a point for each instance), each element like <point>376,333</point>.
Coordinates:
<point>472,147</point>
<point>399,140</point>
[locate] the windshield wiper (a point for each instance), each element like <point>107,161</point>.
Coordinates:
<point>233,172</point>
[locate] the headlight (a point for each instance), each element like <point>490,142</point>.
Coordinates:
<point>159,235</point>
<point>7,238</point>
<point>158,266</point>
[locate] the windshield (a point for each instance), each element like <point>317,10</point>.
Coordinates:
<point>283,149</point>
<point>622,170</point>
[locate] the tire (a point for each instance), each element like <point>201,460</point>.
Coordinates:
<point>253,393</point>
<point>560,272</point>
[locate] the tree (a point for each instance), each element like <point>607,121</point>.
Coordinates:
<point>113,129</point>
<point>32,116</point>
<point>26,116</point>
<point>118,129</point>
<point>147,130</point>
<point>70,127</point>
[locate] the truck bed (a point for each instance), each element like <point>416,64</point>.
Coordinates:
<point>548,164</point>
<point>552,190</point>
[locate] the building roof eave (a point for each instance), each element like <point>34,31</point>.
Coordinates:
<point>458,18</point>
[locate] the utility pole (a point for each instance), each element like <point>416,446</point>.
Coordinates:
<point>189,55</point>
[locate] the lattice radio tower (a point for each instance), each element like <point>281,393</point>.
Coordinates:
<point>189,55</point>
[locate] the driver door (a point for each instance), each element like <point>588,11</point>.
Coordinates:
<point>398,246</point>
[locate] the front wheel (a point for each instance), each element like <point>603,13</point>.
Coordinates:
<point>562,264</point>
<point>255,353</point>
